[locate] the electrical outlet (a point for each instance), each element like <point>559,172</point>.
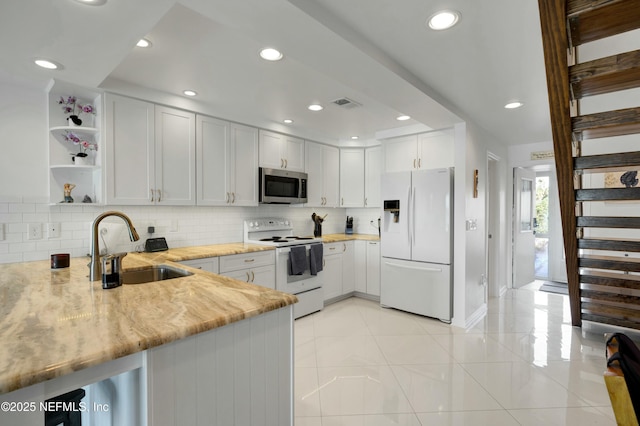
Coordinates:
<point>53,230</point>
<point>1,231</point>
<point>34,231</point>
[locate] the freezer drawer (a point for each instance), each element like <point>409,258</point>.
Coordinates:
<point>417,287</point>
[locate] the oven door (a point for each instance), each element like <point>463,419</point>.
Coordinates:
<point>294,284</point>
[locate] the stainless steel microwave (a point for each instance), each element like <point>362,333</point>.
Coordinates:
<point>282,186</point>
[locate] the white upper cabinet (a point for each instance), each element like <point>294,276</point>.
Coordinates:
<point>352,174</point>
<point>322,166</point>
<point>400,154</point>
<point>278,151</point>
<point>130,150</point>
<point>431,150</point>
<point>227,157</point>
<point>150,153</point>
<point>175,157</point>
<point>372,172</point>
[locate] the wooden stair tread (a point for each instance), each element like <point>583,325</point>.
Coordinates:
<point>608,194</point>
<point>633,302</point>
<point>613,244</point>
<point>609,123</point>
<point>611,321</point>
<point>621,159</point>
<point>608,222</point>
<point>626,264</point>
<point>610,279</point>
<point>605,75</point>
<point>602,19</point>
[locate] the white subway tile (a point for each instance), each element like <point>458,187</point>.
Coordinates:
<point>22,208</point>
<point>11,258</point>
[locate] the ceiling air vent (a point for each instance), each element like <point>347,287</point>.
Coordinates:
<point>346,103</point>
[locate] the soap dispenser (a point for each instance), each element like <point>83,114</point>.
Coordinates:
<point>112,270</point>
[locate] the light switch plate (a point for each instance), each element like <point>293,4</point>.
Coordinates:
<point>34,231</point>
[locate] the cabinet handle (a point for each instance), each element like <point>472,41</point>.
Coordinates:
<point>227,199</point>
<point>365,201</point>
<point>332,248</point>
<point>414,163</point>
<point>159,195</point>
<point>342,201</point>
<point>419,163</point>
<point>344,247</point>
<point>152,198</point>
<point>233,194</point>
<point>253,276</point>
<point>373,244</point>
<point>247,276</point>
<point>249,260</point>
<point>286,163</point>
<point>282,163</point>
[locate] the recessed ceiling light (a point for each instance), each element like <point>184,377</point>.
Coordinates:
<point>190,92</point>
<point>143,42</point>
<point>44,63</point>
<point>443,20</point>
<point>403,118</point>
<point>270,54</point>
<point>315,107</point>
<point>513,105</point>
<point>92,2</point>
<point>355,138</point>
<point>287,121</point>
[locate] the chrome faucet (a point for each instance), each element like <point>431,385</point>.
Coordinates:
<point>94,266</point>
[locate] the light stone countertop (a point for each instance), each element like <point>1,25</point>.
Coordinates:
<point>337,238</point>
<point>55,322</point>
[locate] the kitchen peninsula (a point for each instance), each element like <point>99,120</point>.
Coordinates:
<point>201,348</point>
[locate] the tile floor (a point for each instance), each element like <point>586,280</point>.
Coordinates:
<point>358,364</point>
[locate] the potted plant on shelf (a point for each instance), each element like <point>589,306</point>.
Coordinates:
<point>71,106</point>
<point>81,158</point>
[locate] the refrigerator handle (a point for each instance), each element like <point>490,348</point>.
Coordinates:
<point>413,215</point>
<point>409,218</point>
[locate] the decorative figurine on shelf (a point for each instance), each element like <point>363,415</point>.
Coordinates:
<point>67,192</point>
<point>87,199</point>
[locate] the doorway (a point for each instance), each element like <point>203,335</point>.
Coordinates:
<point>541,226</point>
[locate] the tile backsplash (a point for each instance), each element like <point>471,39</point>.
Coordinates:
<point>181,226</point>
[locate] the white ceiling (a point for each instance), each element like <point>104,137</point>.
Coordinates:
<point>377,52</point>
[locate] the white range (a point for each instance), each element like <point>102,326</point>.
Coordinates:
<point>278,232</point>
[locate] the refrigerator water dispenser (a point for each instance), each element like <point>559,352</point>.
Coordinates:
<point>392,207</point>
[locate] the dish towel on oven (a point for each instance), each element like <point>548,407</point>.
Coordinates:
<point>297,260</point>
<point>315,258</point>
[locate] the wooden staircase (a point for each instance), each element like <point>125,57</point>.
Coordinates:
<point>601,222</point>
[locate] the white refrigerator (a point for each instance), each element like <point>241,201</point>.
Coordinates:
<point>416,242</point>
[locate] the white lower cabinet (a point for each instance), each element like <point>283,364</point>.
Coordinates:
<point>239,374</point>
<point>373,268</point>
<point>209,264</point>
<point>348,271</point>
<point>256,267</point>
<point>360,266</point>
<point>366,267</point>
<point>332,271</point>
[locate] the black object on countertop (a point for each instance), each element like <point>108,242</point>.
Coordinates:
<point>156,244</point>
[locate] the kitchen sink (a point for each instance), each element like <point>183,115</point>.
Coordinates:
<point>153,274</point>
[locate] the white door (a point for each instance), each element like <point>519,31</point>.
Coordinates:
<point>524,189</point>
<point>373,170</point>
<point>175,157</point>
<point>243,165</point>
<point>431,216</point>
<point>315,175</point>
<point>395,228</point>
<point>331,175</point>
<point>212,149</point>
<point>352,177</point>
<point>130,150</point>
